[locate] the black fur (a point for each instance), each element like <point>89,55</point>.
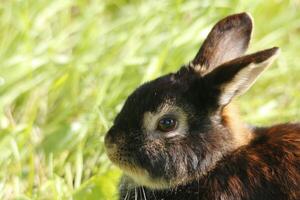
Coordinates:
<point>268,168</point>
<point>216,156</point>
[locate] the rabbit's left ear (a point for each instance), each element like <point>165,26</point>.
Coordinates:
<point>228,39</point>
<point>235,77</point>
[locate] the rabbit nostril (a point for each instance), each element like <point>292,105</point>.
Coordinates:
<point>110,146</point>
<point>111,140</point>
<point>108,140</point>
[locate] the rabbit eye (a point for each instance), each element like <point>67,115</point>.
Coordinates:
<point>167,124</point>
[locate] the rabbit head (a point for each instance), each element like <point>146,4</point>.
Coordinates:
<point>175,128</point>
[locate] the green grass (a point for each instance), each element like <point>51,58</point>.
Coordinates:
<point>66,67</point>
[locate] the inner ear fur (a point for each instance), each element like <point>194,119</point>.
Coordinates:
<point>236,76</point>
<point>228,39</point>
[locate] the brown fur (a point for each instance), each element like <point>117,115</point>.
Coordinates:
<point>267,168</point>
<point>212,154</point>
<point>241,133</point>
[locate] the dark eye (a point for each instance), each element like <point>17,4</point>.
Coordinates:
<point>167,124</point>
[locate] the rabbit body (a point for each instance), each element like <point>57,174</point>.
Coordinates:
<point>267,168</point>
<point>179,137</point>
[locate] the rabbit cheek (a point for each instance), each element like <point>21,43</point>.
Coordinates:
<point>147,165</point>
<point>169,162</point>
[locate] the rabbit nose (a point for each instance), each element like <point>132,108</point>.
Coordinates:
<point>110,140</point>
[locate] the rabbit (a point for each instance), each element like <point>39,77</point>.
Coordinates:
<point>180,137</point>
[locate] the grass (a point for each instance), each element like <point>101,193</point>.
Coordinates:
<point>66,67</point>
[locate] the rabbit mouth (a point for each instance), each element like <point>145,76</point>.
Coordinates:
<point>120,159</point>
<point>138,174</point>
<point>142,177</point>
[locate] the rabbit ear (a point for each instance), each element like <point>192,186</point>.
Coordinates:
<point>235,77</point>
<point>228,39</point>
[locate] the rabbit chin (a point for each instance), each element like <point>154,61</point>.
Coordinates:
<point>142,178</point>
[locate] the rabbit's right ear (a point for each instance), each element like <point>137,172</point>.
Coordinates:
<point>236,76</point>
<point>228,39</point>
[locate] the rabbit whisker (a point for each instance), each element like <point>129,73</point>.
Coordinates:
<point>125,198</point>
<point>135,194</point>
<point>154,195</point>
<point>143,190</point>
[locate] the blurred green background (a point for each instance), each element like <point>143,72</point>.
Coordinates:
<point>66,68</point>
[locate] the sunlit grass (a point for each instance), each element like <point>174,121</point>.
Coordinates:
<point>66,67</point>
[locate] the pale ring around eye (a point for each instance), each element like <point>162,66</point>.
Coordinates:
<point>167,124</point>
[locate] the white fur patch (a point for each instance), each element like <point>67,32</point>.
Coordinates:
<point>151,119</point>
<point>243,80</point>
